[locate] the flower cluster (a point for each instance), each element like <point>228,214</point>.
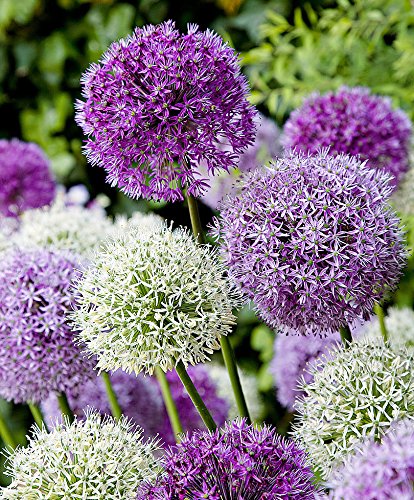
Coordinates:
<point>379,471</point>
<point>25,178</point>
<point>355,122</point>
<point>266,146</point>
<point>289,365</point>
<point>313,241</point>
<point>355,393</point>
<point>36,342</point>
<point>160,103</point>
<point>93,458</point>
<point>154,298</point>
<point>241,461</point>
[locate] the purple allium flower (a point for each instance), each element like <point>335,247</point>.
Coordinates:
<point>139,397</point>
<point>354,122</point>
<point>290,361</point>
<point>158,104</point>
<point>240,461</point>
<point>25,177</point>
<point>189,416</point>
<point>313,242</point>
<point>379,470</point>
<point>37,352</point>
<point>266,146</point>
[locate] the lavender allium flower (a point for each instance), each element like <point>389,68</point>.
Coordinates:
<point>290,363</point>
<point>355,393</point>
<point>379,471</point>
<point>139,397</point>
<point>355,122</point>
<point>189,416</point>
<point>241,461</point>
<point>266,146</point>
<point>38,355</point>
<point>25,177</point>
<point>88,459</point>
<point>154,298</point>
<point>313,242</point>
<point>158,104</point>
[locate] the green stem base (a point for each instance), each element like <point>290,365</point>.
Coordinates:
<point>65,408</point>
<point>112,399</point>
<point>169,403</point>
<point>346,335</point>
<point>379,311</point>
<point>37,415</point>
<point>6,434</point>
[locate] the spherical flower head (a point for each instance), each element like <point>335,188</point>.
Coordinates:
<point>241,461</point>
<point>290,362</point>
<point>25,177</point>
<point>154,298</point>
<point>266,146</point>
<point>355,393</point>
<point>355,122</point>
<point>92,458</point>
<point>139,398</point>
<point>158,104</point>
<point>313,242</point>
<point>37,346</point>
<point>400,328</point>
<point>379,471</point>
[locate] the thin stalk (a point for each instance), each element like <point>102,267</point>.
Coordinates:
<point>226,348</point>
<point>195,397</point>
<point>229,360</point>
<point>169,402</point>
<point>346,335</point>
<point>379,311</point>
<point>111,395</point>
<point>64,407</point>
<point>37,415</point>
<point>6,434</point>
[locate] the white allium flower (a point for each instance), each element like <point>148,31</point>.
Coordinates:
<point>98,458</point>
<point>356,393</point>
<point>154,298</point>
<point>140,221</point>
<point>249,384</point>
<point>400,328</point>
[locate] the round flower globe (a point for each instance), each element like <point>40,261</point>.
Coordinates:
<point>355,122</point>
<point>154,298</point>
<point>158,104</point>
<point>92,458</point>
<point>289,365</point>
<point>240,461</point>
<point>265,147</point>
<point>25,177</point>
<point>312,242</point>
<point>379,470</point>
<point>37,346</point>
<point>355,393</point>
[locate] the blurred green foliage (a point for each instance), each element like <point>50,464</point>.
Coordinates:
<point>353,42</point>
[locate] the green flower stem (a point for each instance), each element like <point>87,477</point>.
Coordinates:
<point>379,311</point>
<point>230,362</point>
<point>226,348</point>
<point>110,394</point>
<point>6,434</point>
<point>346,335</point>
<point>169,403</point>
<point>37,415</point>
<point>195,397</point>
<point>64,407</point>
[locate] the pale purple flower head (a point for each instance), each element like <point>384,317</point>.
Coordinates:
<point>189,416</point>
<point>240,461</point>
<point>312,242</point>
<point>158,104</point>
<point>290,362</point>
<point>25,177</point>
<point>266,146</point>
<point>354,122</point>
<point>139,398</point>
<point>37,350</point>
<point>379,471</point>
